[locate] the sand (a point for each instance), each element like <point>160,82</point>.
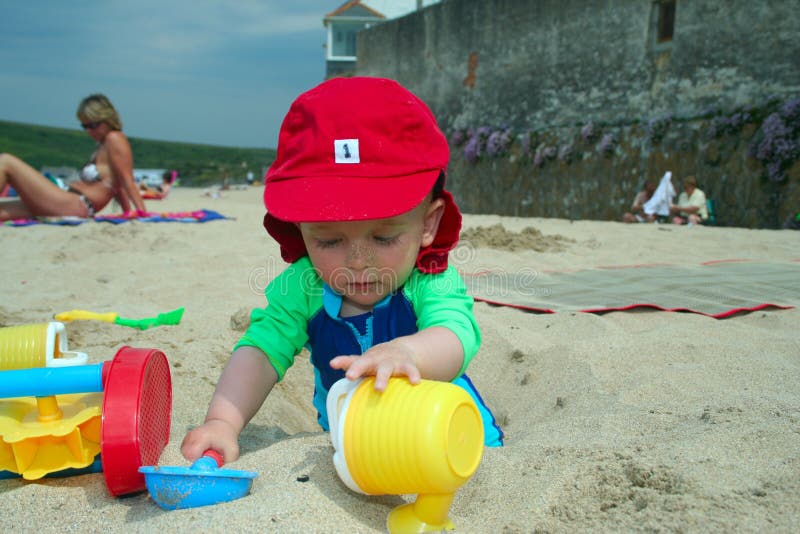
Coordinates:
<point>647,421</point>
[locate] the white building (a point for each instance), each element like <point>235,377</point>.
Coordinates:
<point>353,16</point>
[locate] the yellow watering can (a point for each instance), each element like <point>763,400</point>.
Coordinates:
<point>37,345</point>
<point>425,439</point>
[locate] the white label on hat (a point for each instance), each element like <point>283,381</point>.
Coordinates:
<point>346,151</point>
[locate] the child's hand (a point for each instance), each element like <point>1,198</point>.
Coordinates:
<point>392,358</point>
<point>214,434</point>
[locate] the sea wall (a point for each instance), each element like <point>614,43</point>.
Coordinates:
<point>540,73</point>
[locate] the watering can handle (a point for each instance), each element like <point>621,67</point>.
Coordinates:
<point>336,395</point>
<point>337,404</point>
<point>75,358</point>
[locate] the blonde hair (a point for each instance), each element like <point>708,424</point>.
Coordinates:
<point>689,180</point>
<point>98,108</point>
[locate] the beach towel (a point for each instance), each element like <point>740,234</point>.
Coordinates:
<point>662,198</point>
<point>198,216</point>
<point>717,289</point>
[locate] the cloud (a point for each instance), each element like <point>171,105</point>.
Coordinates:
<point>187,34</point>
<point>162,58</point>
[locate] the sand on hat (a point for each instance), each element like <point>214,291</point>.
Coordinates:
<point>649,421</point>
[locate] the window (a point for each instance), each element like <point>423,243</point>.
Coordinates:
<point>666,20</point>
<point>344,38</point>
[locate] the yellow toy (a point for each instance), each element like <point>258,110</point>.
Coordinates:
<point>59,415</point>
<point>36,345</point>
<point>169,318</point>
<point>42,435</point>
<point>425,439</point>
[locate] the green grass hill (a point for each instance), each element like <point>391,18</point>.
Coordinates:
<point>197,165</point>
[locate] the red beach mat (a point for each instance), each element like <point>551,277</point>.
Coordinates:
<point>718,289</point>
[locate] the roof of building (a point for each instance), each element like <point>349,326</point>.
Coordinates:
<point>385,9</point>
<point>354,8</point>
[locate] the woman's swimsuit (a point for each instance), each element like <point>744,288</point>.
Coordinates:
<point>86,202</point>
<point>90,173</point>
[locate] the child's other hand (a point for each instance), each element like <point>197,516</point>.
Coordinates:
<point>214,434</point>
<point>383,361</point>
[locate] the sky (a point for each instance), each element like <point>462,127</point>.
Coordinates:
<point>196,71</point>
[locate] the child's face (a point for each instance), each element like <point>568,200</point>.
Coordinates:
<point>366,260</point>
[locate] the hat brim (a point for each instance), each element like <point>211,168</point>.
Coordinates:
<point>431,259</point>
<point>332,198</point>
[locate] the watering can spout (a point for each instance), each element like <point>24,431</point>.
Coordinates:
<point>427,514</point>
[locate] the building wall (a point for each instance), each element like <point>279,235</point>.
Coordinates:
<point>334,69</point>
<point>550,66</point>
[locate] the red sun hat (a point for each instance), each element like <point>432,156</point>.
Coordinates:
<point>354,149</point>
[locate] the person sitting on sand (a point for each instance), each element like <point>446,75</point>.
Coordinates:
<point>691,207</point>
<point>107,175</point>
<point>160,191</point>
<point>637,213</point>
<point>356,201</point>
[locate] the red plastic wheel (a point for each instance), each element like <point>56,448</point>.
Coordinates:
<point>137,409</point>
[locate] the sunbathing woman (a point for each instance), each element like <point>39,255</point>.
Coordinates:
<point>160,191</point>
<point>109,173</point>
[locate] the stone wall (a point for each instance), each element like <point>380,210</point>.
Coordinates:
<point>590,184</point>
<point>552,66</point>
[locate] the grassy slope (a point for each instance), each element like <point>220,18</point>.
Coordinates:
<point>197,164</point>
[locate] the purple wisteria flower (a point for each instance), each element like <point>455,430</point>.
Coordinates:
<point>498,142</point>
<point>778,143</point>
<point>737,121</point>
<point>458,137</point>
<point>472,149</point>
<point>729,125</point>
<point>483,132</point>
<point>589,132</point>
<point>543,153</point>
<point>791,110</point>
<point>566,152</point>
<point>476,143</point>
<point>607,144</point>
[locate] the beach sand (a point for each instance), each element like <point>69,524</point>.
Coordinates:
<point>627,421</point>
